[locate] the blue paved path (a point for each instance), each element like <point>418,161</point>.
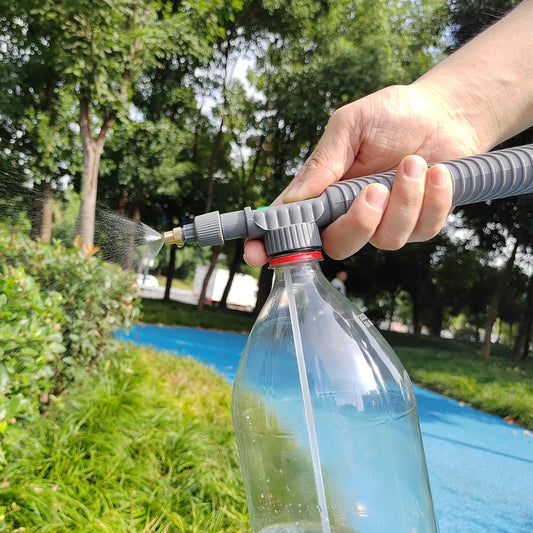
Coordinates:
<point>481,468</point>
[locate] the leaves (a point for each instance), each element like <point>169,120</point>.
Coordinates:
<point>58,310</point>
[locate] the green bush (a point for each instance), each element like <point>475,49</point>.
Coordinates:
<point>58,309</point>
<point>97,296</point>
<point>31,345</point>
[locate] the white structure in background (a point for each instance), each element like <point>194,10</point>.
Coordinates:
<point>243,292</point>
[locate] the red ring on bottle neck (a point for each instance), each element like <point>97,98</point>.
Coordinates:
<point>296,257</point>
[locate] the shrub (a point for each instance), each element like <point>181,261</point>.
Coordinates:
<point>31,345</point>
<point>58,309</point>
<point>97,297</point>
<point>147,445</point>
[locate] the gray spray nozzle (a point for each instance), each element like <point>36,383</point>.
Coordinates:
<point>296,226</point>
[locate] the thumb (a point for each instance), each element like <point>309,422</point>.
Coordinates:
<point>331,159</point>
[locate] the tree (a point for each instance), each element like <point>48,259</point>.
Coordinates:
<point>101,49</point>
<point>325,55</point>
<point>146,169</point>
<point>503,221</point>
<point>34,118</point>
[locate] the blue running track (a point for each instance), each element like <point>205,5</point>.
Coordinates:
<point>481,468</point>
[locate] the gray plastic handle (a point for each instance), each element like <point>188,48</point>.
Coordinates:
<point>489,176</point>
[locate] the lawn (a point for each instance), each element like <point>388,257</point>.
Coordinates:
<point>185,284</point>
<point>147,445</point>
<point>176,313</point>
<point>453,368</point>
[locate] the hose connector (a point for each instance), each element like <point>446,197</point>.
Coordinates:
<point>174,236</point>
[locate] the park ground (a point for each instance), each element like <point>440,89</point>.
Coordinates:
<point>147,445</point>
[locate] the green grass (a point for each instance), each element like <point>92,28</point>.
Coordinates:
<point>145,446</point>
<point>498,386</point>
<point>407,340</point>
<point>185,284</point>
<point>177,313</point>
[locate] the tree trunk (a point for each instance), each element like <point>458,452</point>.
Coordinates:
<point>47,211</point>
<point>492,308</point>
<point>122,203</point>
<point>211,169</point>
<point>529,313</point>
<point>215,252</point>
<point>92,152</point>
<point>36,214</point>
<point>265,284</point>
<point>235,264</point>
<point>392,307</point>
<point>91,162</point>
<point>197,131</point>
<point>523,338</point>
<point>170,272</point>
<point>436,317</point>
<point>417,315</point>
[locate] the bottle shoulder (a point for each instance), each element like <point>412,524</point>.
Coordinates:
<point>345,354</point>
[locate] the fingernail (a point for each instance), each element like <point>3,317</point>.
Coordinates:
<point>414,167</point>
<point>376,196</point>
<point>439,176</point>
<point>287,198</point>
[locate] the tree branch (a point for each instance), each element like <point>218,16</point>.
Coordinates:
<point>109,120</point>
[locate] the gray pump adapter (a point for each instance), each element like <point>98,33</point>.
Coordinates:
<point>289,227</point>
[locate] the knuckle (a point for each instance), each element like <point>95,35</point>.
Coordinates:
<point>409,198</point>
<point>339,115</point>
<point>427,231</point>
<point>359,223</point>
<point>388,241</point>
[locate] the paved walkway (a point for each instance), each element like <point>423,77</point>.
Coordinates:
<point>481,468</point>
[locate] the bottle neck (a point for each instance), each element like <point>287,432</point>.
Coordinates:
<point>296,258</point>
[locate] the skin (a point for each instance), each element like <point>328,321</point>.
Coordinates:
<point>476,98</point>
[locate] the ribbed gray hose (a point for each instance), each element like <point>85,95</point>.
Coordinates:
<point>291,226</point>
<point>475,179</point>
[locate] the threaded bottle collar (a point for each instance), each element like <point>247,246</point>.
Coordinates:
<point>301,236</point>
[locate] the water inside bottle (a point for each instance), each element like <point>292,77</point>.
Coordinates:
<point>381,463</point>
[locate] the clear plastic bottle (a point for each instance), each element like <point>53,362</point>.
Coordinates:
<point>325,416</point>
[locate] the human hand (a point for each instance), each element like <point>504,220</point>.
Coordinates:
<point>378,133</point>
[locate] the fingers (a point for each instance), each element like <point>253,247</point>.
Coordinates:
<point>350,232</point>
<point>415,210</point>
<point>407,196</point>
<point>254,253</point>
<point>437,203</point>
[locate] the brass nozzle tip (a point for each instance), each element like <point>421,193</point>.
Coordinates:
<point>174,236</point>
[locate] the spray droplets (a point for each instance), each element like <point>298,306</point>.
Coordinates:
<point>130,243</point>
<point>117,238</point>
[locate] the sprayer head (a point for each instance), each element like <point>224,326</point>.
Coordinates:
<point>175,236</point>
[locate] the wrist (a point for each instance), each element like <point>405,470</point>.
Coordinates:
<point>462,117</point>
<point>487,85</point>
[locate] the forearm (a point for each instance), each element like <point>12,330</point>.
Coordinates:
<point>488,83</point>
